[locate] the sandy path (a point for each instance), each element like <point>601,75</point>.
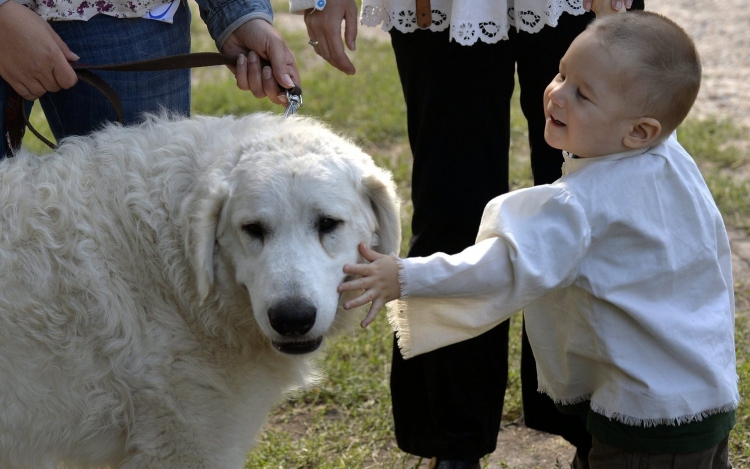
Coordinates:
<point>721,30</point>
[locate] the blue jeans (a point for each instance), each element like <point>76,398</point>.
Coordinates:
<point>102,40</point>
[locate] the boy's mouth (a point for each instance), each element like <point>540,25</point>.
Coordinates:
<point>556,122</point>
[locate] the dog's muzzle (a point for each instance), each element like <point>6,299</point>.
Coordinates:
<point>292,319</point>
<point>297,347</point>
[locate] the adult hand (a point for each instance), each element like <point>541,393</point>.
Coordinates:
<point>606,7</point>
<point>324,26</point>
<point>33,58</point>
<point>257,39</point>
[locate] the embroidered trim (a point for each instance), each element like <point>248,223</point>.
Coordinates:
<point>399,323</point>
<point>681,420</point>
<point>397,316</point>
<point>637,421</point>
<point>401,277</point>
<point>467,31</point>
<point>569,401</point>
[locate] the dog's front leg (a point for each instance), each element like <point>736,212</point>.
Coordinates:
<point>170,432</point>
<point>172,449</point>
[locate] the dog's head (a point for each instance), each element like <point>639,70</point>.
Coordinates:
<point>277,219</point>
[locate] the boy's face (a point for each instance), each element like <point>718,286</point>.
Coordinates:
<point>585,113</point>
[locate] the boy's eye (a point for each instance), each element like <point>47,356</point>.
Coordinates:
<point>561,77</point>
<point>581,95</point>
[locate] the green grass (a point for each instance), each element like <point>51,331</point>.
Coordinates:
<point>720,149</point>
<point>344,421</point>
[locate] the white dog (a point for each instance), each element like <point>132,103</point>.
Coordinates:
<point>162,285</point>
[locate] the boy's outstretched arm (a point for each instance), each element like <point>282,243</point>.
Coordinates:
<point>379,280</point>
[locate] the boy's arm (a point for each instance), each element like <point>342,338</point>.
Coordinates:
<point>530,243</point>
<point>452,298</point>
<point>482,269</point>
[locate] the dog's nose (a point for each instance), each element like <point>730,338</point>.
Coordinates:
<point>292,317</point>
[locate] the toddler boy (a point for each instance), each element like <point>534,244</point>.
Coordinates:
<point>622,266</point>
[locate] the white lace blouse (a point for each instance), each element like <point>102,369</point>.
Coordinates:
<point>471,20</point>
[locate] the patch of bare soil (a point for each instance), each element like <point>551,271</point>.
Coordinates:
<point>521,447</point>
<point>720,31</point>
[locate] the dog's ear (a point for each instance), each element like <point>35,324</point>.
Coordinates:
<point>381,191</point>
<point>203,212</point>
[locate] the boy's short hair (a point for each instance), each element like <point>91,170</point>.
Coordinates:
<point>662,69</point>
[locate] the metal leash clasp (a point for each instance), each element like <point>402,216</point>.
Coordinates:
<point>294,96</point>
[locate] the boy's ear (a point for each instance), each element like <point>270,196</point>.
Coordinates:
<point>644,132</point>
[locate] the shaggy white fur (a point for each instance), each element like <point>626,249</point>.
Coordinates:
<point>162,285</point>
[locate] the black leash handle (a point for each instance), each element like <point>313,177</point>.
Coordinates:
<point>172,62</point>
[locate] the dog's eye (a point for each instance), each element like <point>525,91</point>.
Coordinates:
<point>326,224</point>
<point>254,230</point>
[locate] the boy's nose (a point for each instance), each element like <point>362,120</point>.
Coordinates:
<point>557,96</point>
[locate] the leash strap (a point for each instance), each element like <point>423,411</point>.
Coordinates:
<point>16,120</point>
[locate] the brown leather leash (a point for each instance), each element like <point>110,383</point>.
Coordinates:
<point>16,120</point>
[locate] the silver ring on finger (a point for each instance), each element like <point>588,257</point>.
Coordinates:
<point>312,42</point>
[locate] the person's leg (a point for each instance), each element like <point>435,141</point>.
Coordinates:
<point>448,403</point>
<point>539,56</point>
<point>603,456</point>
<point>103,40</point>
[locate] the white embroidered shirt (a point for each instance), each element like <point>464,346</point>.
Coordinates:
<point>469,20</point>
<point>623,270</point>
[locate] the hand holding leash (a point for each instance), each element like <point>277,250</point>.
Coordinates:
<point>33,58</point>
<point>15,115</point>
<point>265,65</point>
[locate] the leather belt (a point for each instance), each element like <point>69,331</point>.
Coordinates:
<point>424,14</point>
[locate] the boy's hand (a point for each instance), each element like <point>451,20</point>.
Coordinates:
<point>33,58</point>
<point>379,280</point>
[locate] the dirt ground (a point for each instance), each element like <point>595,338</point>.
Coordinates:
<point>720,30</point>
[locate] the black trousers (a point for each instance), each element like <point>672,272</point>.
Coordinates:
<point>448,403</point>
